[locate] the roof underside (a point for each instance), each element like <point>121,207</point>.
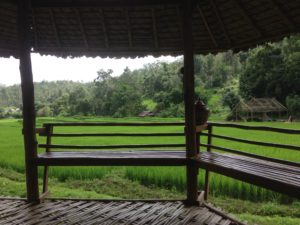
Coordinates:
<point>137,28</point>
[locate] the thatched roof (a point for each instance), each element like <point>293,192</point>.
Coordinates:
<point>142,27</point>
<point>260,105</point>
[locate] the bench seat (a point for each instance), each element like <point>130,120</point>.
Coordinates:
<point>113,158</point>
<point>275,176</point>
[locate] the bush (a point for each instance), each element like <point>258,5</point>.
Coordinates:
<point>44,112</point>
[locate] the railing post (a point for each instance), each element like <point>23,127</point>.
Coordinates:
<point>189,99</point>
<point>209,141</point>
<point>30,142</point>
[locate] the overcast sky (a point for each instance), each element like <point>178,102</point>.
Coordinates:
<point>83,69</point>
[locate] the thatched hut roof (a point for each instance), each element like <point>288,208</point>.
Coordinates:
<point>142,27</point>
<point>260,105</point>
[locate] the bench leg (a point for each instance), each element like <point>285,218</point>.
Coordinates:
<point>206,185</point>
<point>45,179</point>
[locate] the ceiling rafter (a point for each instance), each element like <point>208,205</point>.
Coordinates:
<point>34,28</point>
<point>54,25</point>
<point>220,20</point>
<point>129,30</point>
<point>104,29</point>
<point>83,32</point>
<point>283,15</point>
<point>155,33</point>
<point>207,26</point>
<point>179,16</point>
<point>247,17</point>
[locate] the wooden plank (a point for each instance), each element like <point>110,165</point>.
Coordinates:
<point>114,158</point>
<point>28,101</point>
<point>55,146</point>
<point>189,99</point>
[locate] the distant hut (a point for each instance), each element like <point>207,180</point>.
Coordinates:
<point>146,114</point>
<point>258,108</point>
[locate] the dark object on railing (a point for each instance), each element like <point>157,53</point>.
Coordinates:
<point>201,112</point>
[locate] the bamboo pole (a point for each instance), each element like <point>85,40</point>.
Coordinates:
<point>189,99</point>
<point>30,142</point>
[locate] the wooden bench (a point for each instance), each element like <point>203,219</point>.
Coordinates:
<point>154,154</point>
<point>271,173</point>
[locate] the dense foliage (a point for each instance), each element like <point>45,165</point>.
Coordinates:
<point>271,70</point>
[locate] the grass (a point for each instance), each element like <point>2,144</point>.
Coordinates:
<point>12,154</point>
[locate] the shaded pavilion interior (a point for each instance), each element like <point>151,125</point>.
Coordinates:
<point>131,28</point>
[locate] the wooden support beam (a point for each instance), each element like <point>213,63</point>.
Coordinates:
<point>283,15</point>
<point>155,33</point>
<point>220,20</point>
<point>247,17</point>
<point>30,141</point>
<point>189,99</point>
<point>207,26</point>
<point>83,32</point>
<point>104,29</point>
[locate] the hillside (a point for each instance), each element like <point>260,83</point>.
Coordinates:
<point>221,80</point>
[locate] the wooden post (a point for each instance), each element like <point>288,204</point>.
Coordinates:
<point>189,99</point>
<point>30,142</point>
<point>206,183</point>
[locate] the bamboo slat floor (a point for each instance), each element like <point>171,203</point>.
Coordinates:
<point>18,211</point>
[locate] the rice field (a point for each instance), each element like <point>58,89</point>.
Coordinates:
<point>12,154</point>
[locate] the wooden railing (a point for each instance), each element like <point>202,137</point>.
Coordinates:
<point>210,146</point>
<point>48,132</point>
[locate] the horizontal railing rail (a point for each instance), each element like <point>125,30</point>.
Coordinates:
<point>257,128</point>
<point>260,143</point>
<point>114,134</point>
<point>115,124</point>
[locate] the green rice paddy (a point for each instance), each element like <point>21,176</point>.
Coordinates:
<point>12,153</point>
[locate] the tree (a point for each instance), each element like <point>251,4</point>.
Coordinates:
<point>272,70</point>
<point>230,99</point>
<point>293,104</point>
